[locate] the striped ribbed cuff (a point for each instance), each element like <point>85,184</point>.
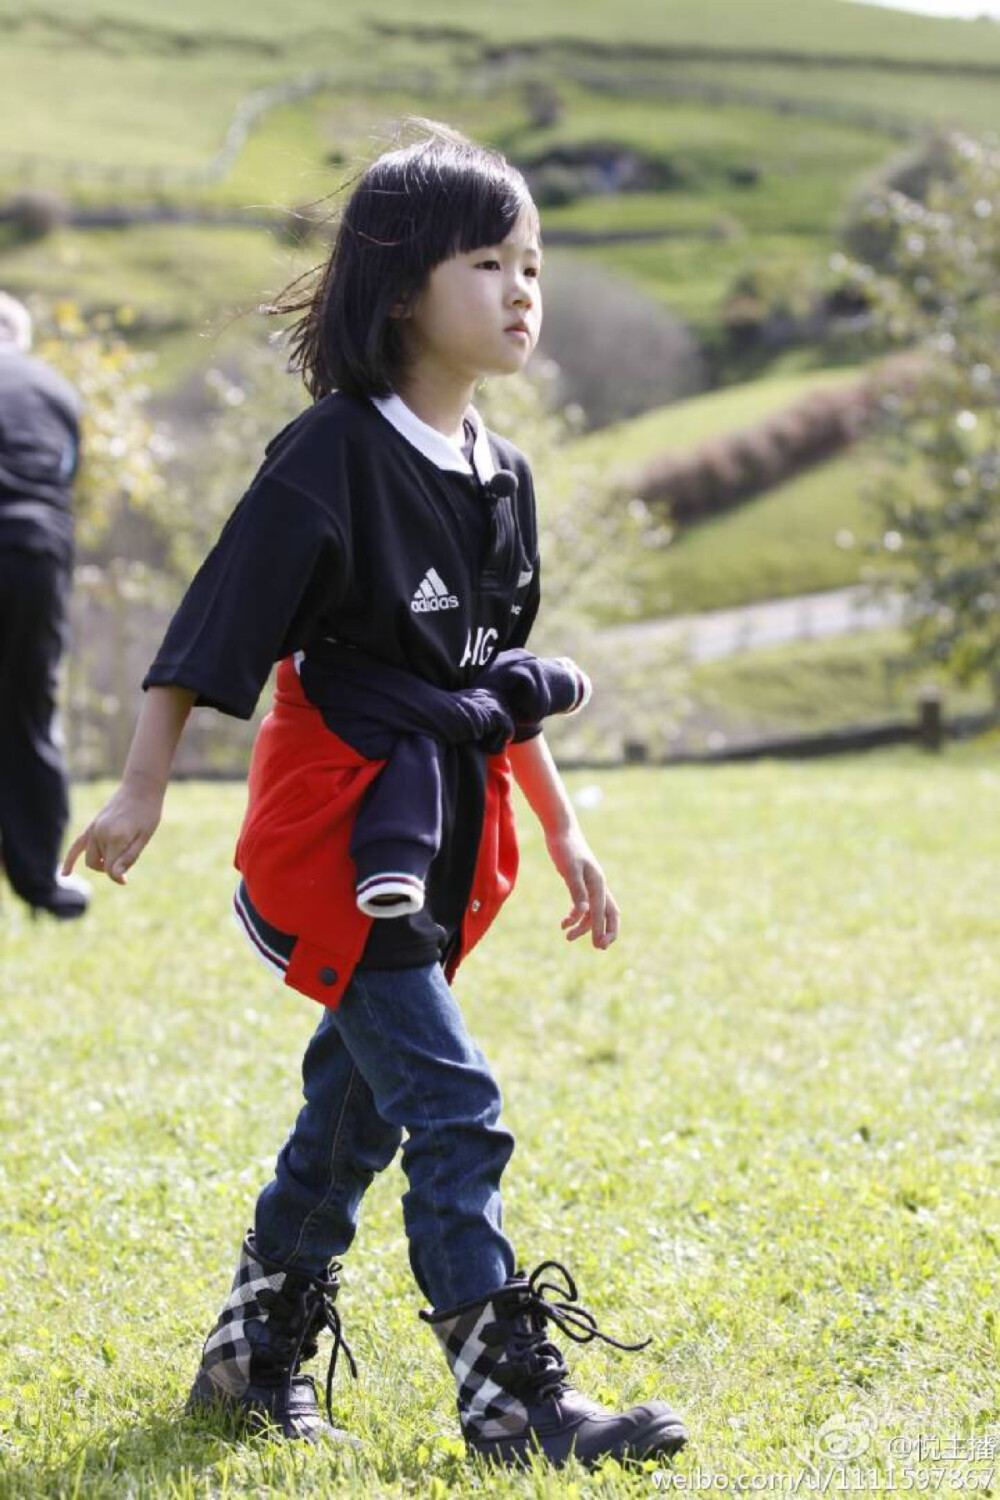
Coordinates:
<point>390,893</point>
<point>584,687</point>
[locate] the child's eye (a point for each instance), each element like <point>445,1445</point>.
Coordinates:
<point>491,264</point>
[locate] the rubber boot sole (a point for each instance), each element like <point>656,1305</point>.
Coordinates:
<point>206,1400</point>
<point>663,1438</point>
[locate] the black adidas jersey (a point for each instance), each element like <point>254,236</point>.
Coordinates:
<point>367,526</point>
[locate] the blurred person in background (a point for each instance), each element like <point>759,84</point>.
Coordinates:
<point>39,454</point>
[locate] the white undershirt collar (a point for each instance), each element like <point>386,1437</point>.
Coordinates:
<point>433,444</point>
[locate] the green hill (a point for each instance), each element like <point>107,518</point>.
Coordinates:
<point>808,534</point>
<point>815,28</point>
<point>687,423</point>
<point>111,99</point>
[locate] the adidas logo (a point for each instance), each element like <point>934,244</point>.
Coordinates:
<point>432,595</point>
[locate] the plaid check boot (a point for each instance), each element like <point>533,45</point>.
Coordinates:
<point>269,1325</point>
<point>513,1394</point>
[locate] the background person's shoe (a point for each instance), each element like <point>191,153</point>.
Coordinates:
<point>514,1397</point>
<point>250,1365</point>
<point>67,900</point>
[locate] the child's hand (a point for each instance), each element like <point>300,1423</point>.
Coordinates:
<point>595,910</point>
<point>119,833</point>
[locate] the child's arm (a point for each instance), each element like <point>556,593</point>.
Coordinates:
<point>594,908</point>
<point>125,825</point>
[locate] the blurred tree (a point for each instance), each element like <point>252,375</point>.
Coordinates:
<point>122,519</point>
<point>122,469</point>
<point>938,481</point>
<point>619,352</point>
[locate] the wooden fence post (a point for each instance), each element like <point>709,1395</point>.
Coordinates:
<point>930,719</point>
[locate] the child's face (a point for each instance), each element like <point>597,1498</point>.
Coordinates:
<point>480,312</point>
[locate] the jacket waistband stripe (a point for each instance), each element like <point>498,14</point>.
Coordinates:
<point>245,919</point>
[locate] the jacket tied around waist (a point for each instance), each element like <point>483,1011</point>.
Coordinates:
<point>345,811</point>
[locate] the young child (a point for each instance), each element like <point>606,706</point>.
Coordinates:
<point>386,555</point>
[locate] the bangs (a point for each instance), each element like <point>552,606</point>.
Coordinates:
<point>439,199</point>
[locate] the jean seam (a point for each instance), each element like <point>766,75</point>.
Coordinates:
<point>418,1096</point>
<point>324,1202</point>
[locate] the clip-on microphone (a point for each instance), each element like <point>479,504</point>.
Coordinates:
<point>503,483</point>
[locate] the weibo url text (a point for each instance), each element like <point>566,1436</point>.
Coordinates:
<point>839,1477</point>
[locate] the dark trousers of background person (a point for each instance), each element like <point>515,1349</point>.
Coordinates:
<point>34,801</point>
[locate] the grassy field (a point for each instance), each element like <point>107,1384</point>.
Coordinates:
<point>645,690</point>
<point>816,28</point>
<point>809,534</point>
<point>816,685</point>
<point>684,424</point>
<point>762,1129</point>
<point>783,543</point>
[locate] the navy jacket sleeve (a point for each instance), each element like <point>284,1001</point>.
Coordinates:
<point>279,566</point>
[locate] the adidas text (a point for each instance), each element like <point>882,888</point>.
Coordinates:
<point>423,606</point>
<point>432,594</point>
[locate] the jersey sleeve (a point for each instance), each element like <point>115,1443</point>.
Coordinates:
<point>521,628</point>
<point>279,566</point>
<point>523,622</point>
<point>519,637</point>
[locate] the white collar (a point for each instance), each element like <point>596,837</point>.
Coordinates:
<point>433,444</point>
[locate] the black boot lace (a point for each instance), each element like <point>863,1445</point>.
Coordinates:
<point>532,1364</point>
<point>319,1312</point>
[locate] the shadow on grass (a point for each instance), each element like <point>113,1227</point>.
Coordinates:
<point>169,1453</point>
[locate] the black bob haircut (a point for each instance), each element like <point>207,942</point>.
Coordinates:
<point>411,209</point>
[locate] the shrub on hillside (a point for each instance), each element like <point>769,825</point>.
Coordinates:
<point>619,352</point>
<point>869,229</point>
<point>35,213</point>
<point>736,466</point>
<point>769,306</point>
<point>543,104</point>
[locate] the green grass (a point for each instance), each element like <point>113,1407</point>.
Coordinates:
<point>685,424</point>
<point>816,685</point>
<point>806,535</point>
<point>646,690</point>
<point>924,98</point>
<point>166,273</point>
<point>194,291</point>
<point>782,543</point>
<point>762,1129</point>
<point>815,27</point>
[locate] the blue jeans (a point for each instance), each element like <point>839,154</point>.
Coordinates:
<point>396,1057</point>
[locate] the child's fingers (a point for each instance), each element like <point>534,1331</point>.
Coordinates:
<point>580,896</point>
<point>597,891</point>
<point>95,854</point>
<point>612,922</point>
<point>578,922</point>
<point>74,851</point>
<point>124,860</point>
<point>579,912</point>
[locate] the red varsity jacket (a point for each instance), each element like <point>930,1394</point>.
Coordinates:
<point>305,787</point>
